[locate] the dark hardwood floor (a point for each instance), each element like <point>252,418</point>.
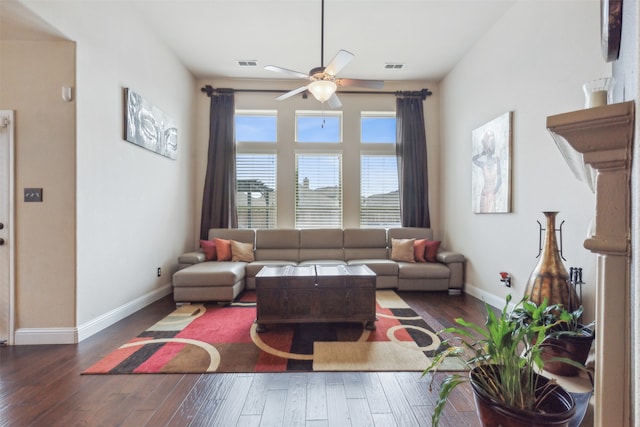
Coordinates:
<point>42,386</point>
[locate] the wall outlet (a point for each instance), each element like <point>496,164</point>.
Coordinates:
<point>33,194</point>
<point>159,271</point>
<point>505,279</point>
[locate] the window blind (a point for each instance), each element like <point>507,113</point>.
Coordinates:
<point>256,196</point>
<point>379,195</point>
<point>318,191</point>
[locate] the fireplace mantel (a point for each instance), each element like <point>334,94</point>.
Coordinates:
<point>596,143</point>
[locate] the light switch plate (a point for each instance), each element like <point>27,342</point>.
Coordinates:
<point>33,194</point>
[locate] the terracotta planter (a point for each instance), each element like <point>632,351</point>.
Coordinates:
<point>557,410</point>
<point>572,347</point>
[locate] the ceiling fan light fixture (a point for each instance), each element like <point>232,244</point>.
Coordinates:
<point>322,90</point>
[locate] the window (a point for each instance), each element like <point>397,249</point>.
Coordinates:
<point>378,127</point>
<point>256,168</point>
<point>379,195</point>
<point>256,190</point>
<point>256,125</point>
<point>318,191</point>
<point>319,126</point>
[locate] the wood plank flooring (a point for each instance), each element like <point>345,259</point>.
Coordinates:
<point>42,386</point>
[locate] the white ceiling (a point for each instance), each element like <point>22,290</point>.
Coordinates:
<point>210,36</point>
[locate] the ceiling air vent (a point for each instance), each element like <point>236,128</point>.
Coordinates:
<point>392,66</point>
<point>247,63</point>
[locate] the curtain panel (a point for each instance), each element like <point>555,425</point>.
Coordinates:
<point>411,151</point>
<point>218,200</point>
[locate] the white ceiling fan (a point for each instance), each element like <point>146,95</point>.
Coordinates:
<point>324,82</point>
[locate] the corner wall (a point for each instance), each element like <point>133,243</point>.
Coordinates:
<point>33,73</point>
<point>532,62</point>
<point>134,207</point>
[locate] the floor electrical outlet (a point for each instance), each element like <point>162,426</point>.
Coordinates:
<point>159,271</point>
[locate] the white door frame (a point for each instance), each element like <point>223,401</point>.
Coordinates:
<point>7,233</point>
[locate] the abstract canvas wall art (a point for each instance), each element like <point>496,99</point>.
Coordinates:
<point>149,127</point>
<point>491,166</point>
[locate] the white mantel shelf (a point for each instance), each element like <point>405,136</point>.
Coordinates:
<point>603,137</point>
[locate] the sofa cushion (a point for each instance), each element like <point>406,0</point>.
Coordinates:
<point>431,251</point>
<point>238,234</point>
<point>277,244</point>
<point>365,243</point>
<point>410,232</point>
<point>223,249</point>
<point>320,244</point>
<point>403,250</point>
<point>210,273</point>
<point>320,261</point>
<point>382,267</point>
<point>209,249</point>
<point>419,248</point>
<point>412,270</point>
<point>241,251</point>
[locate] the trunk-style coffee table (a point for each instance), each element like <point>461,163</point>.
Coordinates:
<point>316,293</point>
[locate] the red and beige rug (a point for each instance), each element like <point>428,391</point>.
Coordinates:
<point>209,338</point>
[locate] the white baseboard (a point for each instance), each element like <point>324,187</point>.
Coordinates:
<point>481,294</point>
<point>33,336</point>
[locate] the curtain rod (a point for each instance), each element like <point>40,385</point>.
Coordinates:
<point>424,93</point>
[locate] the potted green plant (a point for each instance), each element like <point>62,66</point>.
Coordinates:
<point>504,357</point>
<point>568,339</point>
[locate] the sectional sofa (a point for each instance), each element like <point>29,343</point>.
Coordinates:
<point>199,279</point>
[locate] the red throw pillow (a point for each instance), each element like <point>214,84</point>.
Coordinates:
<point>209,249</point>
<point>419,247</point>
<point>223,249</point>
<point>431,250</point>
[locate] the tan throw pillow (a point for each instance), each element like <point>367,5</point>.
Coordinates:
<point>242,251</point>
<point>402,250</point>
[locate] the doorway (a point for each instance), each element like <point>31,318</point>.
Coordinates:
<point>6,227</point>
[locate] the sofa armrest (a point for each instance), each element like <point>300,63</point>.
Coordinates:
<point>455,262</point>
<point>191,258</point>
<point>448,257</point>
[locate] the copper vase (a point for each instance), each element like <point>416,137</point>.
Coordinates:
<point>549,279</point>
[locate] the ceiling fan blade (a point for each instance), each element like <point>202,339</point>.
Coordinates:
<point>285,71</point>
<point>291,93</point>
<point>338,62</point>
<point>371,84</point>
<point>334,101</point>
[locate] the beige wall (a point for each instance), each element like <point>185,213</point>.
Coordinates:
<point>133,208</point>
<point>32,74</point>
<point>532,62</point>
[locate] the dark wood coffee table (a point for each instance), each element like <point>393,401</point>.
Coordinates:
<point>315,293</point>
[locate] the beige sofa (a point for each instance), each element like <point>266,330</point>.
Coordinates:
<point>200,280</point>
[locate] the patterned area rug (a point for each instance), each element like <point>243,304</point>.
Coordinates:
<point>209,338</point>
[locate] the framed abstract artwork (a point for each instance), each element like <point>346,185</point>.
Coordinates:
<point>147,126</point>
<point>491,166</point>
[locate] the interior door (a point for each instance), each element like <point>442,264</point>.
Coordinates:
<point>6,227</point>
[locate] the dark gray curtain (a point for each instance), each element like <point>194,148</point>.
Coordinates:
<point>411,150</point>
<point>218,200</point>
